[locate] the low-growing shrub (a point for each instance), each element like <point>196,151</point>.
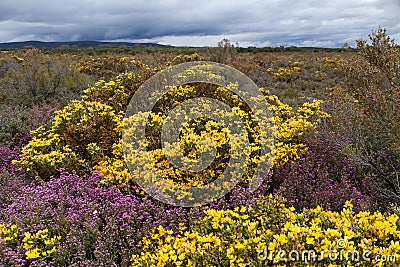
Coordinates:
<point>86,133</point>
<point>365,115</point>
<point>323,176</point>
<point>32,77</point>
<point>268,232</point>
<point>22,249</point>
<point>105,68</point>
<point>98,226</point>
<point>16,122</point>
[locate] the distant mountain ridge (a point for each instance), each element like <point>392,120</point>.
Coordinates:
<point>80,44</point>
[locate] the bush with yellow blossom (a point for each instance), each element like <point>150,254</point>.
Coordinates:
<point>265,234</point>
<point>86,134</point>
<point>36,246</point>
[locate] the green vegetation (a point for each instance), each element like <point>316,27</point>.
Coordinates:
<point>68,199</point>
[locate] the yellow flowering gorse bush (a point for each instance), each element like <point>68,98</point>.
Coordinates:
<point>79,135</point>
<point>287,74</point>
<point>253,236</point>
<point>37,245</point>
<point>332,61</point>
<point>291,125</point>
<point>86,134</point>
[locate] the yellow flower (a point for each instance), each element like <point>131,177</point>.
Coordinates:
<point>310,240</point>
<point>281,238</point>
<point>32,254</point>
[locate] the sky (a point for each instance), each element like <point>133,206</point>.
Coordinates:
<point>201,22</point>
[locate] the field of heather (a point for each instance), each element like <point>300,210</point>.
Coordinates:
<point>78,187</point>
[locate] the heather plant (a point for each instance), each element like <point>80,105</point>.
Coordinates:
<point>11,179</point>
<point>19,247</point>
<point>98,226</point>
<point>323,176</point>
<point>365,117</point>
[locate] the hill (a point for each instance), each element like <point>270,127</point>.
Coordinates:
<point>78,44</point>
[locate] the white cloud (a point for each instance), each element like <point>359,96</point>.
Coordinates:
<point>200,23</point>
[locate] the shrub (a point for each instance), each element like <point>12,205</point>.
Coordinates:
<point>287,74</point>
<point>11,179</point>
<point>255,235</point>
<point>186,58</point>
<point>105,68</point>
<point>80,128</point>
<point>86,133</point>
<point>38,247</point>
<point>98,226</point>
<point>323,176</point>
<point>68,143</point>
<point>292,127</point>
<point>35,78</point>
<point>17,121</point>
<point>365,118</point>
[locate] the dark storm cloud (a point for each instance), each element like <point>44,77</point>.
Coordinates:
<point>180,22</point>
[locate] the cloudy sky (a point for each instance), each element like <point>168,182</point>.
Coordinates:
<point>200,22</point>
